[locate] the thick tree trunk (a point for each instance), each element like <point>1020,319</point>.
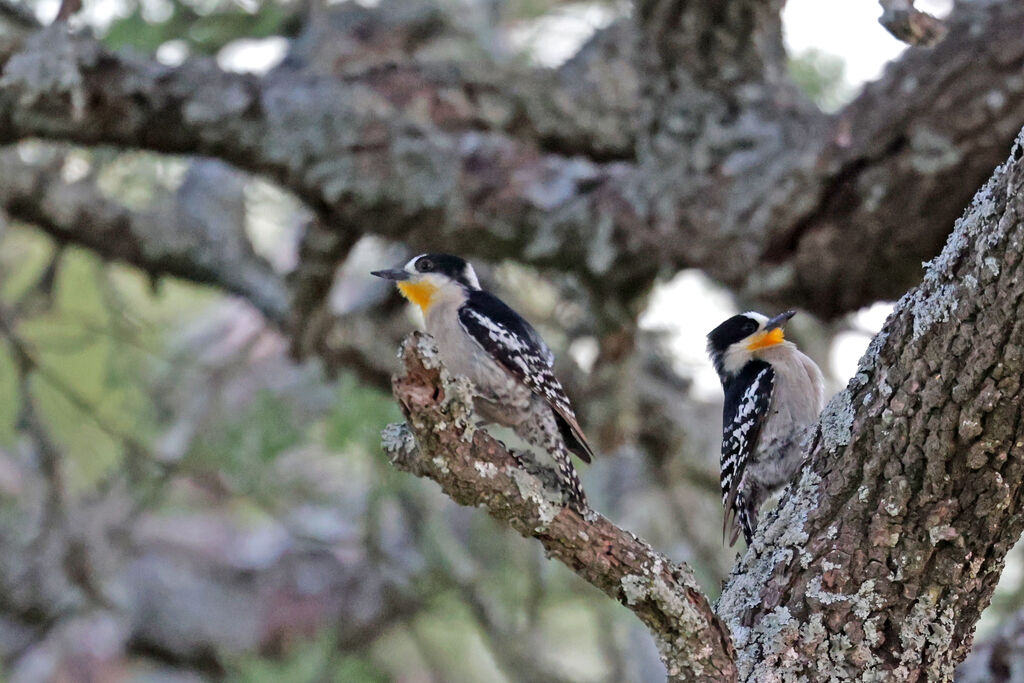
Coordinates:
<point>880,560</point>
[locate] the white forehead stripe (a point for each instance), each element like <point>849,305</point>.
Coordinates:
<point>410,266</point>
<point>471,276</point>
<point>753,315</point>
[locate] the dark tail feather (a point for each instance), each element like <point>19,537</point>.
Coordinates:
<point>572,441</point>
<point>571,483</point>
<point>746,520</point>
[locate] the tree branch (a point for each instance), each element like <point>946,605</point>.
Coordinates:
<point>427,155</point>
<point>198,235</point>
<point>440,442</point>
<point>899,165</point>
<point>442,155</point>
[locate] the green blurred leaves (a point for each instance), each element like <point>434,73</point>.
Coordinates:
<point>314,659</point>
<point>89,342</point>
<point>358,416</point>
<point>822,77</point>
<point>205,32</point>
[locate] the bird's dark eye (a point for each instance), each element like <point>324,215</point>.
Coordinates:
<point>749,327</point>
<point>424,265</point>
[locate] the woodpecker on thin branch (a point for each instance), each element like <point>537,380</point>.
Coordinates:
<point>480,337</point>
<point>773,394</point>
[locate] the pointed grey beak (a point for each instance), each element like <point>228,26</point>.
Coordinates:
<point>779,320</point>
<point>392,274</point>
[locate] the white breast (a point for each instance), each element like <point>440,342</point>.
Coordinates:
<point>799,395</point>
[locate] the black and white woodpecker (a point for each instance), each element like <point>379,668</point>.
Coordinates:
<point>773,395</point>
<point>480,337</point>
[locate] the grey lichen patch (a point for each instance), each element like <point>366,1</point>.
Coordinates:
<point>486,469</point>
<point>778,632</point>
<point>51,64</point>
<point>816,592</point>
<point>781,542</point>
<point>398,443</point>
<point>546,502</point>
<point>937,298</point>
<point>927,639</point>
<point>837,422</point>
<point>650,587</point>
<point>992,265</point>
<point>458,404</point>
<point>862,603</point>
<point>458,391</point>
<point>931,309</point>
<point>943,532</point>
<point>782,648</point>
<point>426,349</point>
<point>634,588</point>
<point>866,600</point>
<point>869,360</point>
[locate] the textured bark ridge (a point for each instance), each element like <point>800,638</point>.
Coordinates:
<point>881,559</point>
<point>441,442</point>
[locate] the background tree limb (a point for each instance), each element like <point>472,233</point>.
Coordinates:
<point>438,154</point>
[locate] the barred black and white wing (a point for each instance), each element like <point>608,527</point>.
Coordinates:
<point>513,343</point>
<point>748,398</point>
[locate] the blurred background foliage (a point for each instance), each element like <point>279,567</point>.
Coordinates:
<point>190,401</point>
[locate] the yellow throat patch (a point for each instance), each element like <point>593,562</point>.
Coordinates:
<point>420,293</point>
<point>765,339</point>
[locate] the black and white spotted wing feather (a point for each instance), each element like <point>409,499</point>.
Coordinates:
<point>513,342</point>
<point>748,398</point>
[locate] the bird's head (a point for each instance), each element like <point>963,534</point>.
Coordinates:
<point>429,278</point>
<point>743,338</point>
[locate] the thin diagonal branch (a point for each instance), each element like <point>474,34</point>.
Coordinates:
<point>440,442</point>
